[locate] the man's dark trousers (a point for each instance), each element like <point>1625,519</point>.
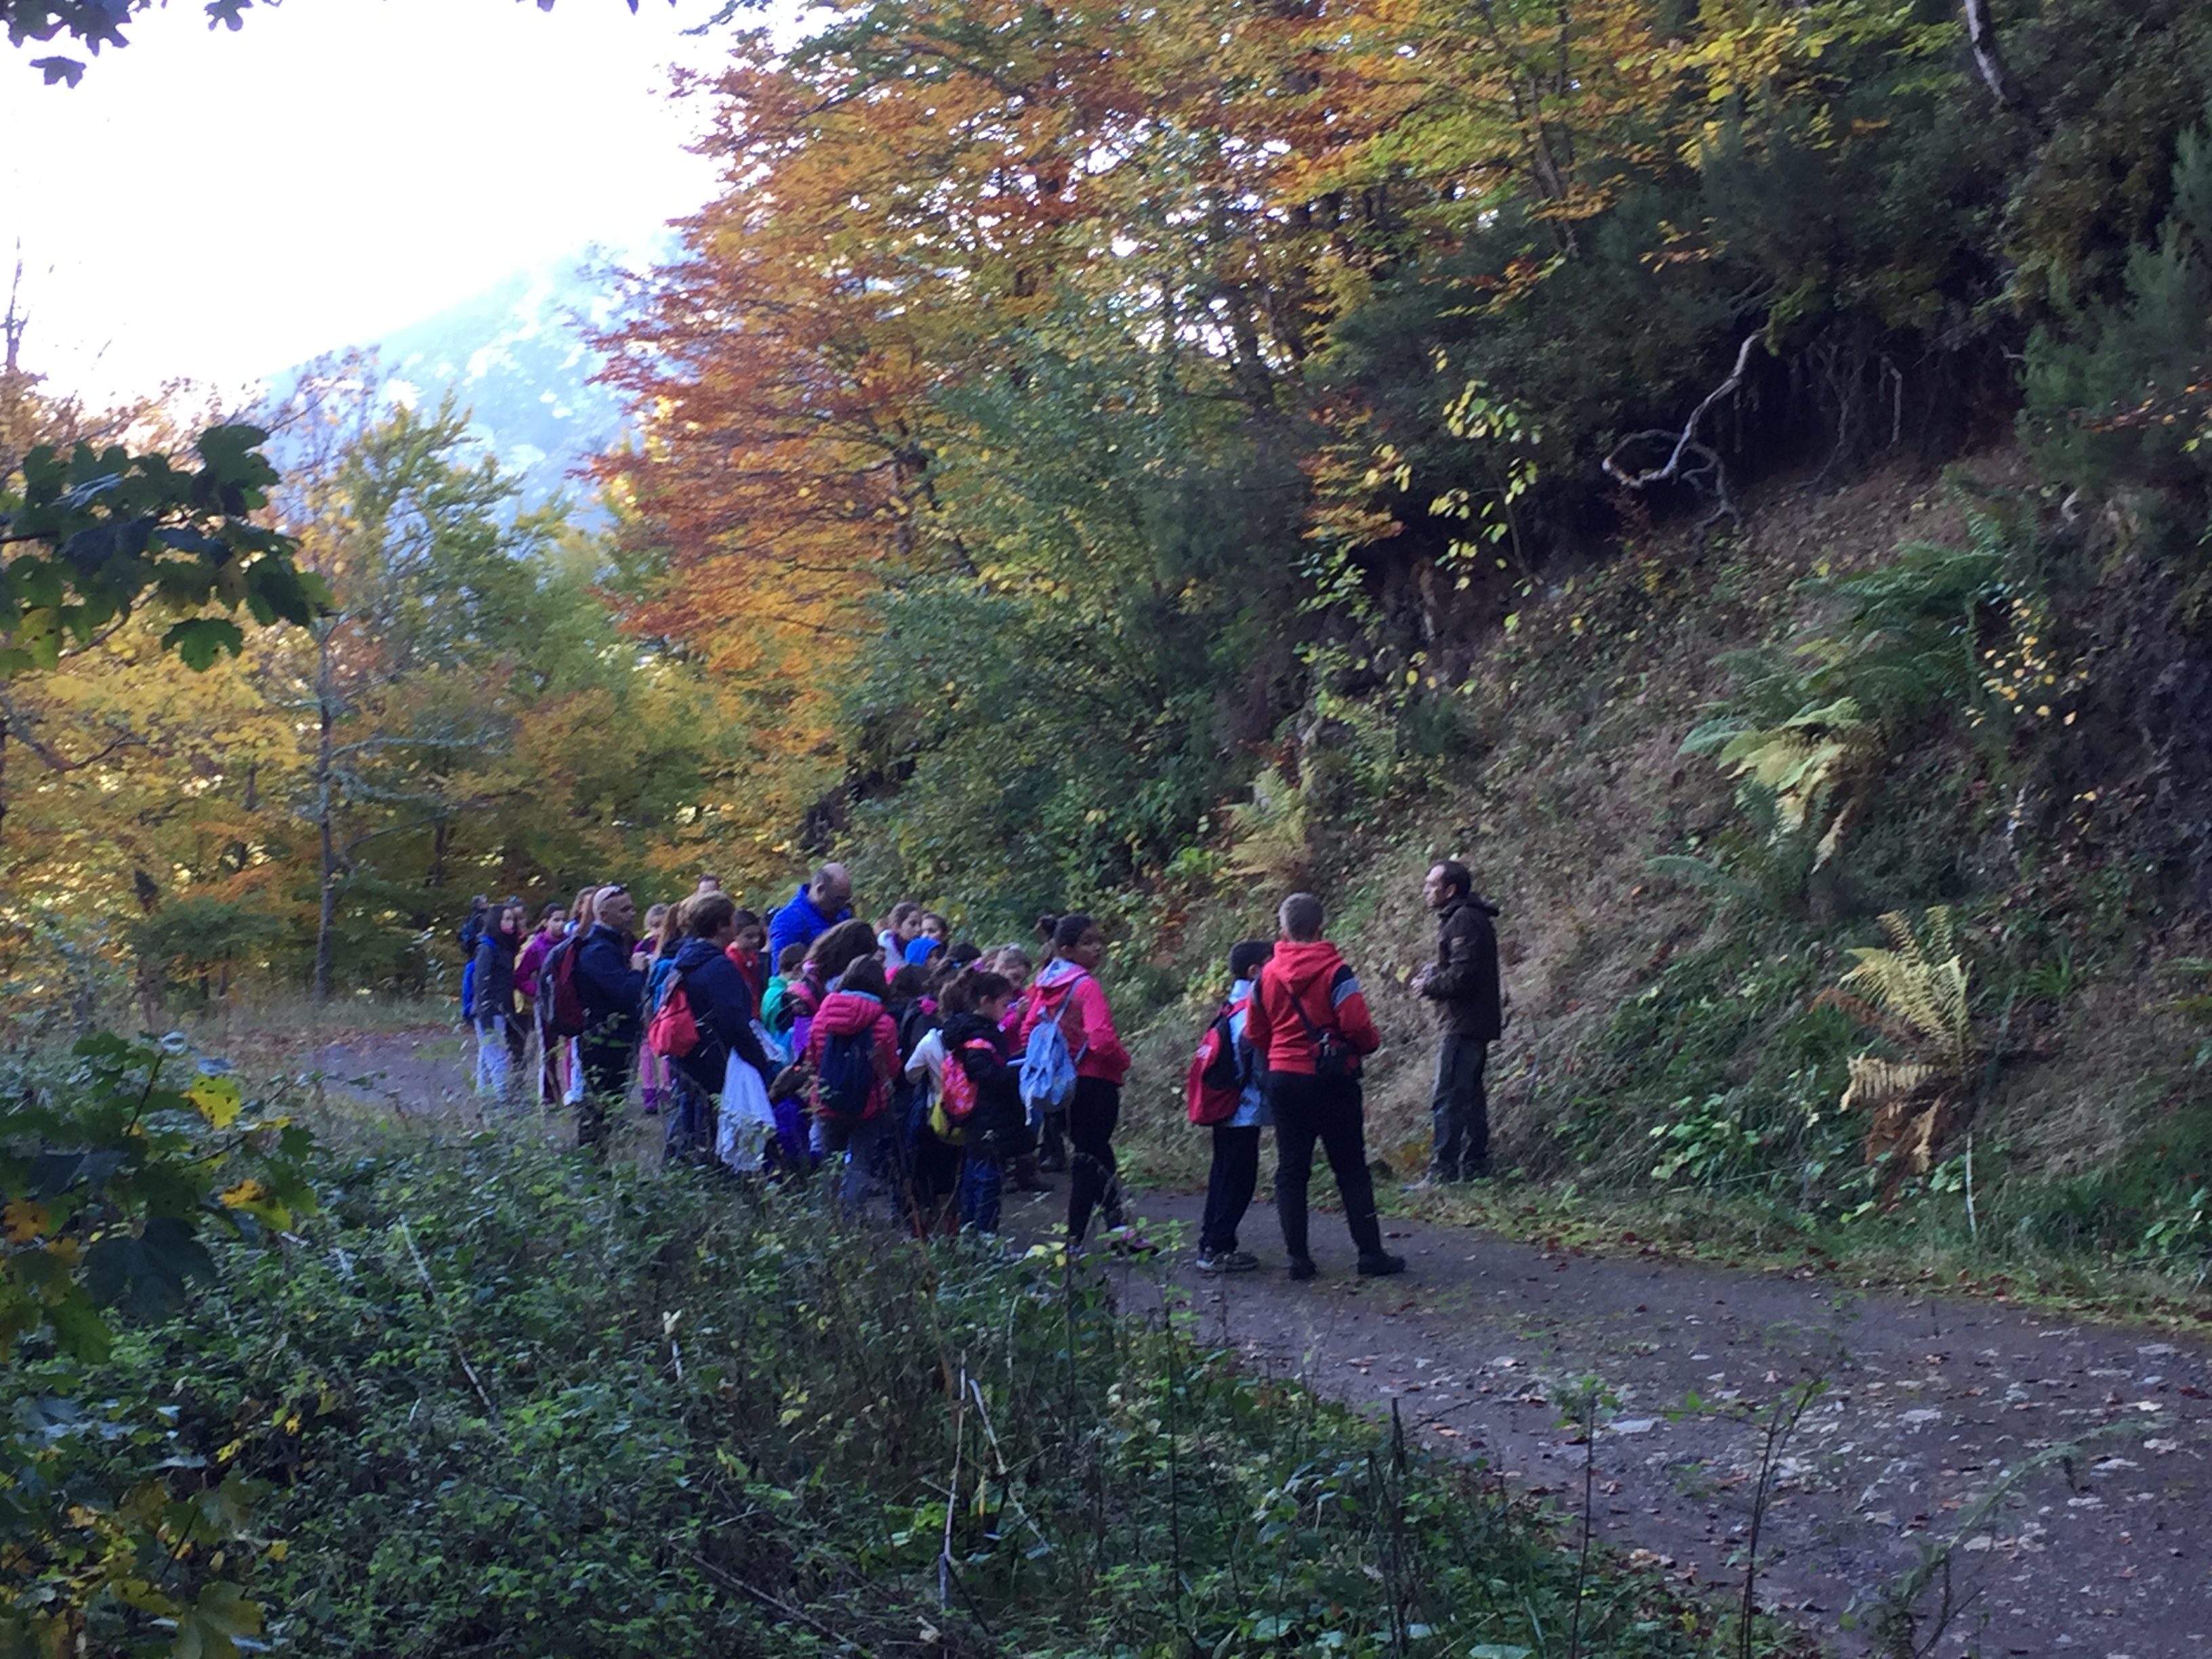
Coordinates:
<point>1459,1111</point>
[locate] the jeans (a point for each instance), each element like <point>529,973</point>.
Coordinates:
<point>1092,1111</point>
<point>605,1067</point>
<point>1459,1111</point>
<point>863,1146</point>
<point>982,1179</point>
<point>495,1057</point>
<point>688,1119</point>
<point>1328,1109</point>
<point>1228,1187</point>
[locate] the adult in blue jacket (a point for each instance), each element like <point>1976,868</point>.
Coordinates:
<point>814,909</point>
<point>610,981</point>
<point>722,1004</point>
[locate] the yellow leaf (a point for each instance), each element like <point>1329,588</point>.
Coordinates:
<point>24,1220</point>
<point>218,1098</point>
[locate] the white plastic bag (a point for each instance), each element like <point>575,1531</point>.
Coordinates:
<point>747,1122</point>
<point>777,1049</point>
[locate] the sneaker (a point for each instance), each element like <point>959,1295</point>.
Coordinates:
<point>1226,1262</point>
<point>1302,1268</point>
<point>1127,1241</point>
<point>1381,1265</point>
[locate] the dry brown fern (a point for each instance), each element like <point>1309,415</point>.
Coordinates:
<point>1914,993</point>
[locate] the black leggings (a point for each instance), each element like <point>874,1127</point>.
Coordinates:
<point>1092,1111</point>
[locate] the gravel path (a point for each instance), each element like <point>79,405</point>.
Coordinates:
<point>1921,1410</point>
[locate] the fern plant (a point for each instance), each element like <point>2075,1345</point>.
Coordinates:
<point>1802,762</point>
<point>1271,842</point>
<point>1914,993</point>
<point>1808,737</point>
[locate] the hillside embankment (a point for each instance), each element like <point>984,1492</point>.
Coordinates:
<point>1671,922</point>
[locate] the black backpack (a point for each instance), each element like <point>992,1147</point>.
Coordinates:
<point>847,1078</point>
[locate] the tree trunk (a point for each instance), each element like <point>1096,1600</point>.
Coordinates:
<point>325,760</point>
<point>1982,38</point>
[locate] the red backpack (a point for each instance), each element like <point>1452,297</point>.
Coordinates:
<point>675,1030</point>
<point>559,1003</point>
<point>957,1093</point>
<point>1214,1087</point>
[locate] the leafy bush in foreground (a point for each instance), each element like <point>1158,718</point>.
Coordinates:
<point>508,1404</point>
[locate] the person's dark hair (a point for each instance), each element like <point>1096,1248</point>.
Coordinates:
<point>1068,933</point>
<point>1457,875</point>
<point>1301,915</point>
<point>864,974</point>
<point>985,985</point>
<point>901,911</point>
<point>956,995</point>
<point>972,989</point>
<point>551,907</point>
<point>961,953</point>
<point>790,960</point>
<point>706,914</point>
<point>909,983</point>
<point>1047,925</point>
<point>1247,958</point>
<point>841,946</point>
<point>745,918</point>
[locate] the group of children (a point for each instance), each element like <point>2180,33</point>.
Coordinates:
<point>932,1072</point>
<point>891,1050</point>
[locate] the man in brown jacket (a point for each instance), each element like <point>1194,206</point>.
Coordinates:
<point>1462,982</point>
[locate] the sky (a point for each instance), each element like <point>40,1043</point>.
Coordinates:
<point>219,205</point>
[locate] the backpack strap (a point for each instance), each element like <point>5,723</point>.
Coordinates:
<point>1068,996</point>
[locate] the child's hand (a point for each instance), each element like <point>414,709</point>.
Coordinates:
<point>791,1081</point>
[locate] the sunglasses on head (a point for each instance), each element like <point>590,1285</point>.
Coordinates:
<point>610,890</point>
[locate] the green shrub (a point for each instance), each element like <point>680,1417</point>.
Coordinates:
<point>501,1401</point>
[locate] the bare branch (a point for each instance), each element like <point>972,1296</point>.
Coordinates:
<point>1687,447</point>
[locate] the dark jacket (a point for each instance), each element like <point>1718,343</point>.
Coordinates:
<point>612,991</point>
<point>999,1121</point>
<point>1463,984</point>
<point>491,992</point>
<point>722,1003</point>
<point>1307,978</point>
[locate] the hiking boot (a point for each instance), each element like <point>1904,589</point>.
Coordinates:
<point>1226,1262</point>
<point>1302,1268</point>
<point>1381,1265</point>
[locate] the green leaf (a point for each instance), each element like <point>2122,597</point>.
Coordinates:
<point>199,640</point>
<point>146,1273</point>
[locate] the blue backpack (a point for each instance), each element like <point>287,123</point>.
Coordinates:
<point>1048,1069</point>
<point>848,1075</point>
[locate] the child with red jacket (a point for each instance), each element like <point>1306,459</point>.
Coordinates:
<point>855,1009</point>
<point>1069,991</point>
<point>1309,1027</point>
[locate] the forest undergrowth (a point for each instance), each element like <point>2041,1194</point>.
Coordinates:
<point>476,1394</point>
